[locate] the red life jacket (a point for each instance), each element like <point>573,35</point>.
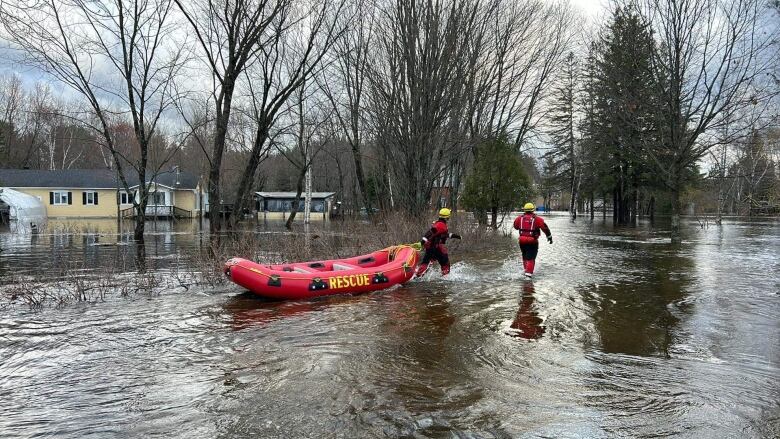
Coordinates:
<point>528,227</point>
<point>438,234</point>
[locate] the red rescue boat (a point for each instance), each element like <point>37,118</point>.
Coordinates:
<point>374,271</point>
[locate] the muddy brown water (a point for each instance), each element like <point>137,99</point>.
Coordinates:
<point>620,334</point>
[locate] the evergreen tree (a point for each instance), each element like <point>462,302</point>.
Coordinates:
<point>564,157</point>
<point>625,106</point>
<point>594,161</point>
<point>498,183</point>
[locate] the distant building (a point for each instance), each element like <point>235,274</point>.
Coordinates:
<point>97,193</point>
<point>278,205</point>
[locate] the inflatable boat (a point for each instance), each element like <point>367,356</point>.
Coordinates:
<point>374,271</point>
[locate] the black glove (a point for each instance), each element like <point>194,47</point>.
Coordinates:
<point>455,236</point>
<point>549,239</point>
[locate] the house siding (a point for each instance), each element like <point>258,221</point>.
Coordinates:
<point>107,202</point>
<point>315,216</point>
<point>180,190</point>
<point>185,199</point>
<point>105,208</point>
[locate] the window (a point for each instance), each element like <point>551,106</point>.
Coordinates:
<point>125,198</point>
<point>59,198</point>
<point>157,198</point>
<point>89,198</point>
<point>285,205</point>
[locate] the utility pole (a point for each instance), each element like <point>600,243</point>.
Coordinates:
<point>390,186</point>
<point>307,199</point>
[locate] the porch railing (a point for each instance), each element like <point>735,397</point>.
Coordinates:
<point>158,212</point>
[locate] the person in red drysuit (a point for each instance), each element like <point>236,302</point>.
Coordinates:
<point>433,244</point>
<point>530,227</point>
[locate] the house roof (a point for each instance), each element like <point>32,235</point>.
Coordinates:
<point>169,178</point>
<point>86,179</point>
<point>292,194</point>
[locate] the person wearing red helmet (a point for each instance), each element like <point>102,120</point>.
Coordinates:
<point>433,243</point>
<point>530,227</point>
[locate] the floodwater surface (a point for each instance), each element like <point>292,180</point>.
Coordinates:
<point>620,334</point>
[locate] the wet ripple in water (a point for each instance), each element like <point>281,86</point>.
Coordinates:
<point>620,335</point>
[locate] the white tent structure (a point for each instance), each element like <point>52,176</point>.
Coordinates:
<point>26,213</point>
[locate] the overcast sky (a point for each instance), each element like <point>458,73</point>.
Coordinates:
<point>590,8</point>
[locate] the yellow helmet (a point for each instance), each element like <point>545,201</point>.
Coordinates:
<point>445,213</point>
<point>529,207</point>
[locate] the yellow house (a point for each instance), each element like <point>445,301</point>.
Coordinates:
<point>96,193</point>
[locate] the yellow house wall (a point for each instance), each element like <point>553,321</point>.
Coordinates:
<point>185,199</point>
<point>106,206</point>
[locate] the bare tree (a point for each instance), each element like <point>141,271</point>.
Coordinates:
<point>755,170</point>
<point>302,37</point>
<point>709,67</point>
<point>231,34</point>
<point>344,84</point>
<point>310,137</point>
<point>418,92</point>
<point>11,101</point>
<point>721,160</point>
<point>83,44</point>
<point>199,119</point>
<point>520,48</point>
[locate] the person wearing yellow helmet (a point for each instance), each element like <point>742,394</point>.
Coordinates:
<point>433,243</point>
<point>530,227</point>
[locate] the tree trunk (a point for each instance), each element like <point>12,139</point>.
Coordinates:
<point>494,217</point>
<point>361,179</point>
<point>615,206</point>
<point>676,238</point>
<point>247,178</point>
<point>140,205</point>
<point>215,224</point>
<point>652,208</point>
<point>592,206</point>
<point>307,198</point>
<point>140,255</point>
<point>342,192</point>
<point>297,200</point>
<point>223,118</point>
<point>573,201</point>
<point>140,217</point>
<point>455,184</point>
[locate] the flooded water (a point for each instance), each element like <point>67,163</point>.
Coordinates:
<point>619,335</point>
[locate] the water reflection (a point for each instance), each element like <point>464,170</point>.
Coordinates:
<point>95,244</point>
<point>247,310</point>
<point>527,321</point>
<point>639,315</point>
